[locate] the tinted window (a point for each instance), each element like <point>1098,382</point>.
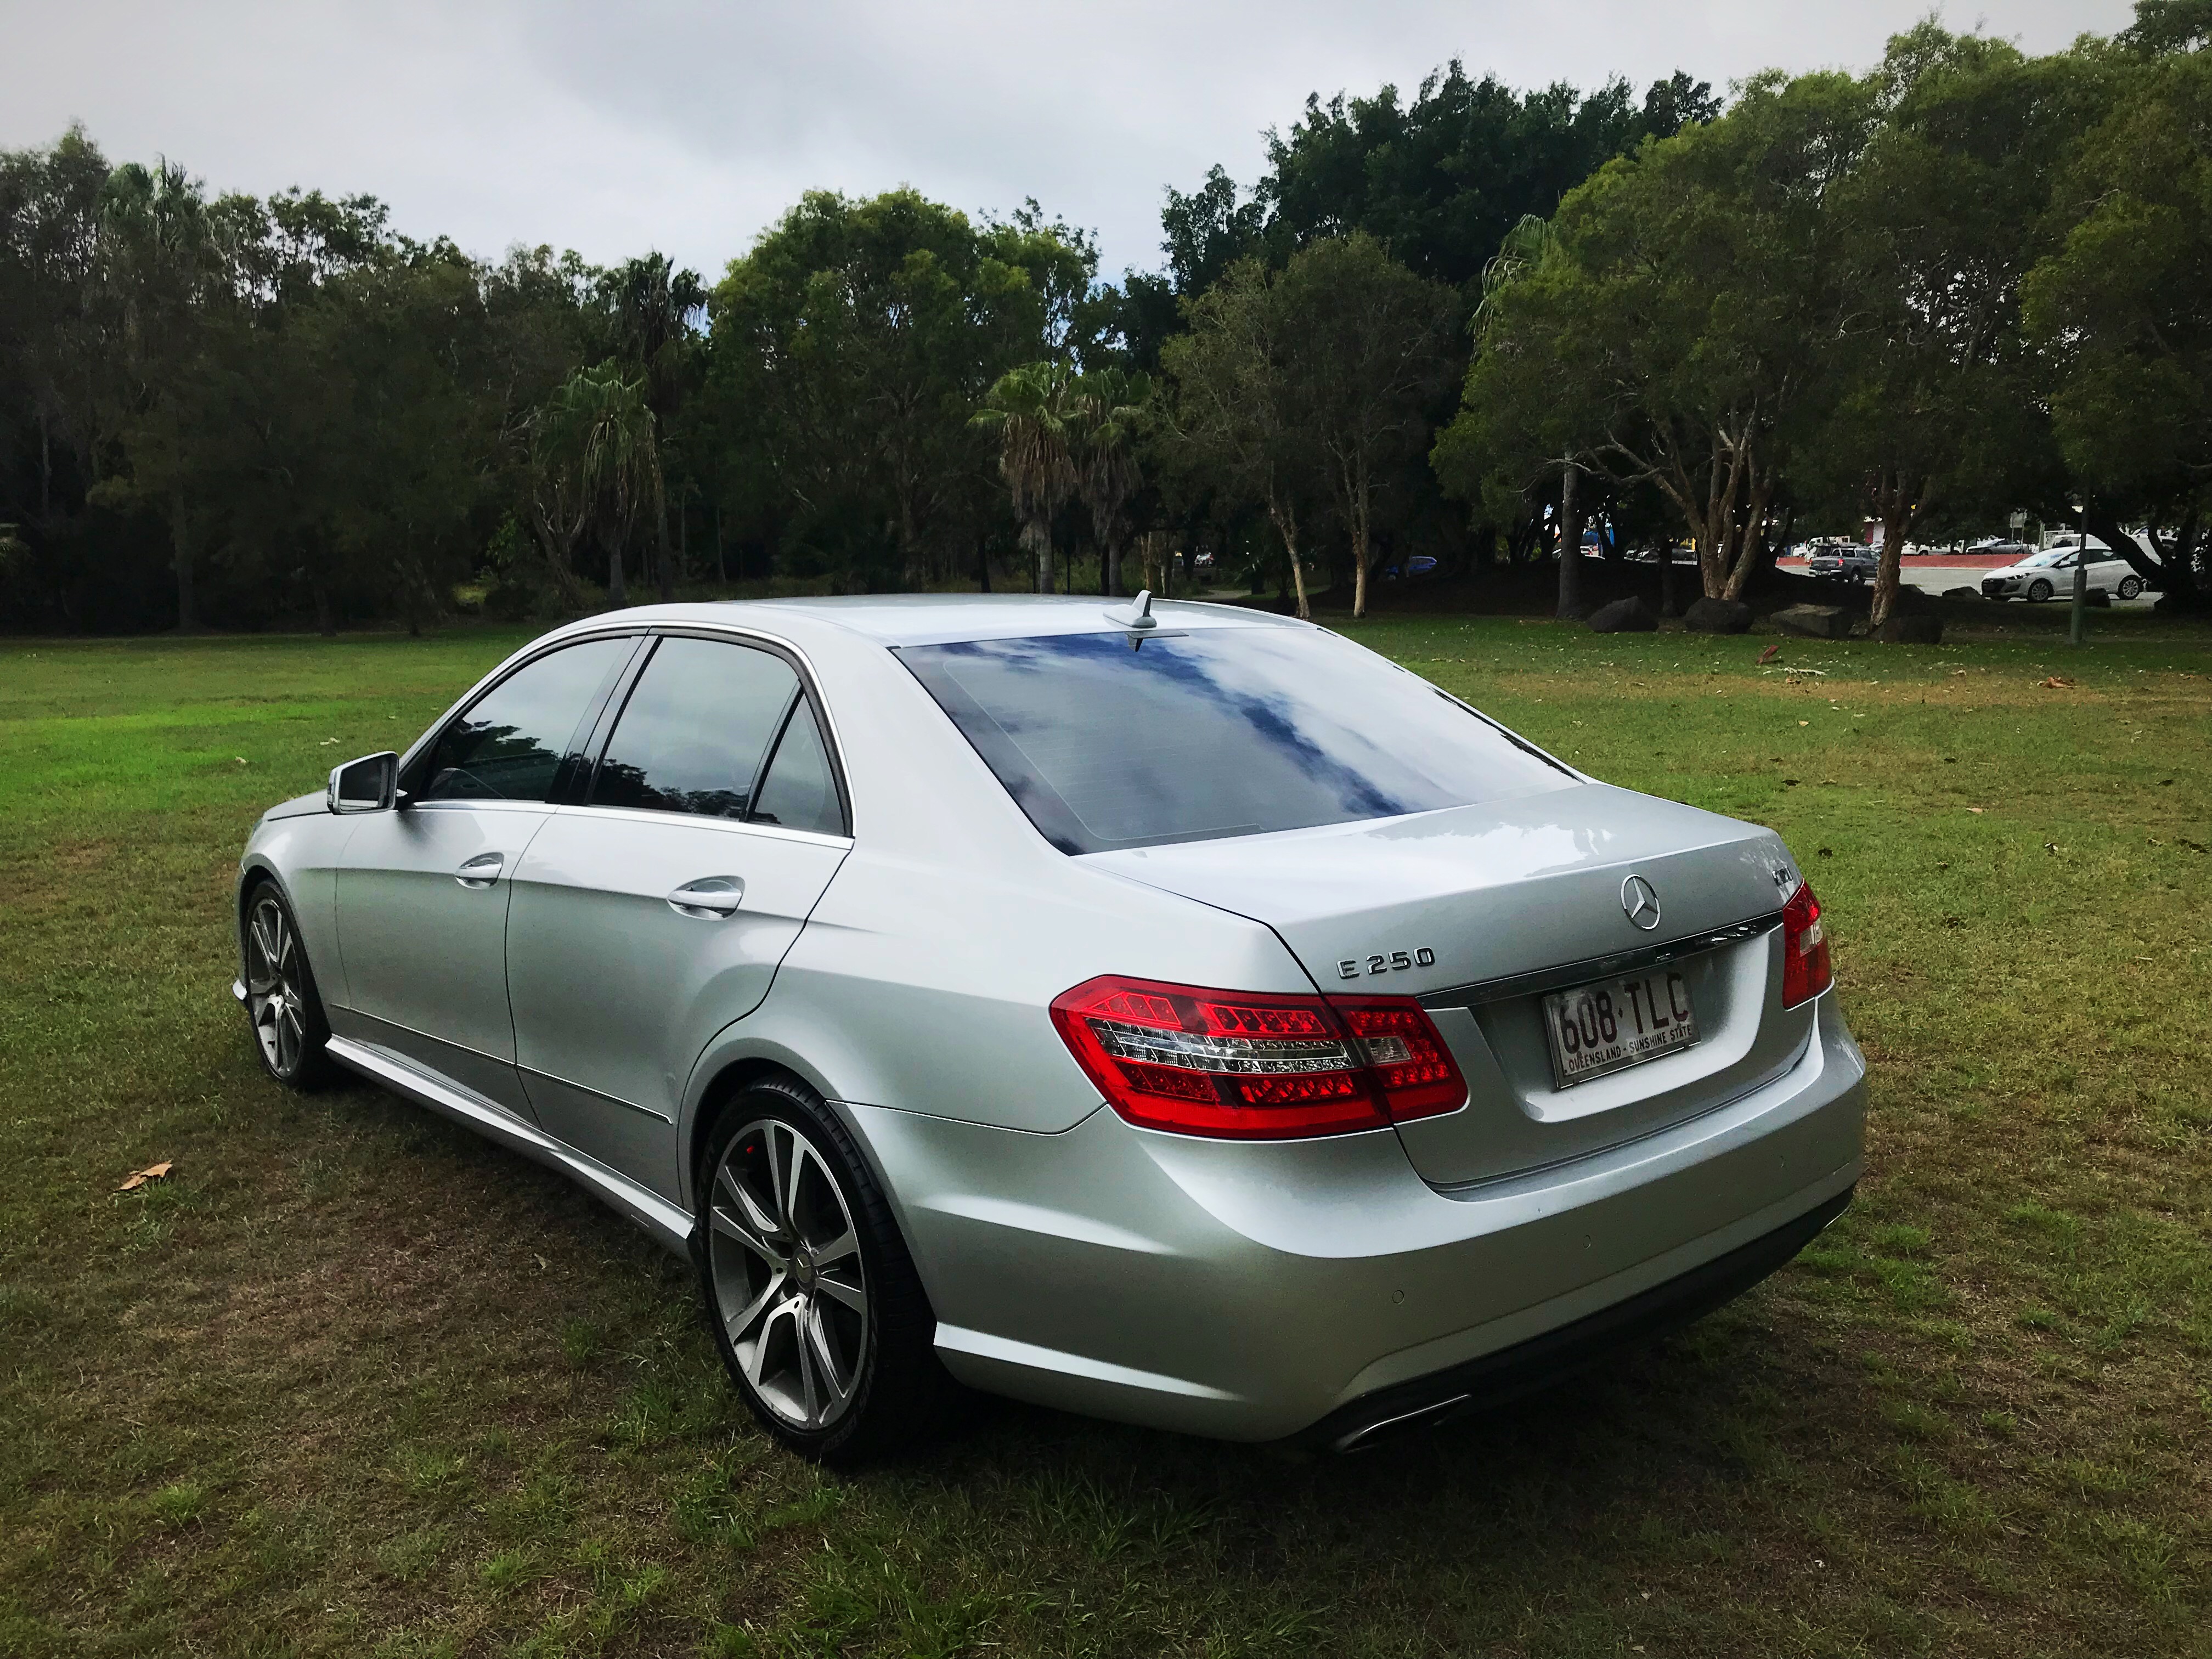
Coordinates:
<point>800,792</point>
<point>695,729</point>
<point>1220,731</point>
<point>510,744</point>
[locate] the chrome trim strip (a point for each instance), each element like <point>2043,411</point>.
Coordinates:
<point>699,820</point>
<point>670,1225</point>
<point>529,1072</point>
<point>1590,968</point>
<point>1359,1437</point>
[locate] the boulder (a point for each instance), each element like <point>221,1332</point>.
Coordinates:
<point>1717,617</point>
<point>1815,621</point>
<point>1628,615</point>
<point>1902,630</point>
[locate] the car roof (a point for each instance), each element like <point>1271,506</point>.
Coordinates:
<point>896,619</point>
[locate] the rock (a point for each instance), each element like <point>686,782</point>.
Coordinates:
<point>1717,617</point>
<point>1962,592</point>
<point>1628,615</point>
<point>1901,630</point>
<point>1815,621</point>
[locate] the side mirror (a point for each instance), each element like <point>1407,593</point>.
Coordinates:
<point>370,784</point>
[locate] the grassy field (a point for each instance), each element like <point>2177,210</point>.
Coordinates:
<point>351,1382</point>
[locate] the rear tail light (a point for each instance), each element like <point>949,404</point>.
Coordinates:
<point>1242,1066</point>
<point>1806,971</point>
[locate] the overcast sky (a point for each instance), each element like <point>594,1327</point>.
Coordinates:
<point>616,128</point>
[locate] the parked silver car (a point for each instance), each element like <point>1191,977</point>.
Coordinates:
<point>1181,1015</point>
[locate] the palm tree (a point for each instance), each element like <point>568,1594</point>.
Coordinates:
<point>1030,409</point>
<point>595,446</point>
<point>1110,406</point>
<point>654,305</point>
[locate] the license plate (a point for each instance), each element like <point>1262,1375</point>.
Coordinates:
<point>1602,1027</point>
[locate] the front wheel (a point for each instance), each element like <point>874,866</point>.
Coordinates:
<point>2038,591</point>
<point>814,1302</point>
<point>289,1030</point>
<point>2131,586</point>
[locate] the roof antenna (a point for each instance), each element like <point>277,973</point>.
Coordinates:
<point>1139,616</point>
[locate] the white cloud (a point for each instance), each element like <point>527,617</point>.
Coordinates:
<point>690,127</point>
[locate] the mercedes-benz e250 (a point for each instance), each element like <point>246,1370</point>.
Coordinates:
<point>1174,1013</point>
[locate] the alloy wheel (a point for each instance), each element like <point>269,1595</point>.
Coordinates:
<point>789,1283</point>
<point>275,996</point>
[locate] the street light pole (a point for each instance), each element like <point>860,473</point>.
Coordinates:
<point>2078,633</point>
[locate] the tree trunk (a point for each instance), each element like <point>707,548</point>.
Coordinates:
<point>325,620</point>
<point>721,570</point>
<point>1571,546</point>
<point>1113,568</point>
<point>1287,526</point>
<point>1361,540</point>
<point>618,590</point>
<point>1896,499</point>
<point>2173,569</point>
<point>665,568</point>
<point>45,473</point>
<point>1037,531</point>
<point>1670,600</point>
<point>180,537</point>
<point>983,564</point>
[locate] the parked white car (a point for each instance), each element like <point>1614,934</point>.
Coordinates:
<point>2050,575</point>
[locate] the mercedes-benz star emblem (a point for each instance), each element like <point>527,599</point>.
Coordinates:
<point>1640,903</point>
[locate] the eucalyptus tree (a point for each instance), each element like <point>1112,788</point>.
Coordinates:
<point>1111,406</point>
<point>164,291</point>
<point>1236,406</point>
<point>1033,411</point>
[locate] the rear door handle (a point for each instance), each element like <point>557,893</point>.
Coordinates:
<point>709,898</point>
<point>481,870</point>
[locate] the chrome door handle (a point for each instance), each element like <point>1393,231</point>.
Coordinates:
<point>709,898</point>
<point>481,870</point>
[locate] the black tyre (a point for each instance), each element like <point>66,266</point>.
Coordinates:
<point>289,1030</point>
<point>2038,591</point>
<point>2131,586</point>
<point>809,1289</point>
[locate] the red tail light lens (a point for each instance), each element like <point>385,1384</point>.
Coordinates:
<point>1806,971</point>
<point>1242,1066</point>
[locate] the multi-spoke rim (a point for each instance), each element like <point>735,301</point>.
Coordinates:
<point>272,985</point>
<point>789,1283</point>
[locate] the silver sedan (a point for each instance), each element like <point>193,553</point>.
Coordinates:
<point>1176,1014</point>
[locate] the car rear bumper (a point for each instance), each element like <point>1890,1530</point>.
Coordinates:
<point>1256,1291</point>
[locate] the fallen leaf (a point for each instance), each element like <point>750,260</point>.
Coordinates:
<point>1973,809</point>
<point>240,759</point>
<point>1804,722</point>
<point>2193,846</point>
<point>1956,672</point>
<point>1770,653</point>
<point>1790,782</point>
<point>140,1177</point>
<point>2056,682</point>
<point>327,743</point>
<point>2051,848</point>
<point>1943,863</point>
<point>2154,840</point>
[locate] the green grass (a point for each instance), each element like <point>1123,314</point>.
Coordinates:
<point>351,1381</point>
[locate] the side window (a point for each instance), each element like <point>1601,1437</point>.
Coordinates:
<point>800,791</point>
<point>695,729</point>
<point>510,744</point>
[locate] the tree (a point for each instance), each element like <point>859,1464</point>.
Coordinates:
<point>596,446</point>
<point>655,306</point>
<point>2119,305</point>
<point>1032,409</point>
<point>1370,355</point>
<point>1237,404</point>
<point>1678,331</point>
<point>1111,408</point>
<point>1928,402</point>
<point>852,345</point>
<point>164,279</point>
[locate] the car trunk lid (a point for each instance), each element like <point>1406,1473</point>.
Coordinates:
<point>1481,911</point>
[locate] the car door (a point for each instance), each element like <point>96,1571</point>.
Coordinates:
<point>650,916</point>
<point>422,891</point>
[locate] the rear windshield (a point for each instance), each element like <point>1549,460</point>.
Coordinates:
<point>1220,731</point>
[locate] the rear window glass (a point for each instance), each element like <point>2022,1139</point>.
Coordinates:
<point>1220,731</point>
